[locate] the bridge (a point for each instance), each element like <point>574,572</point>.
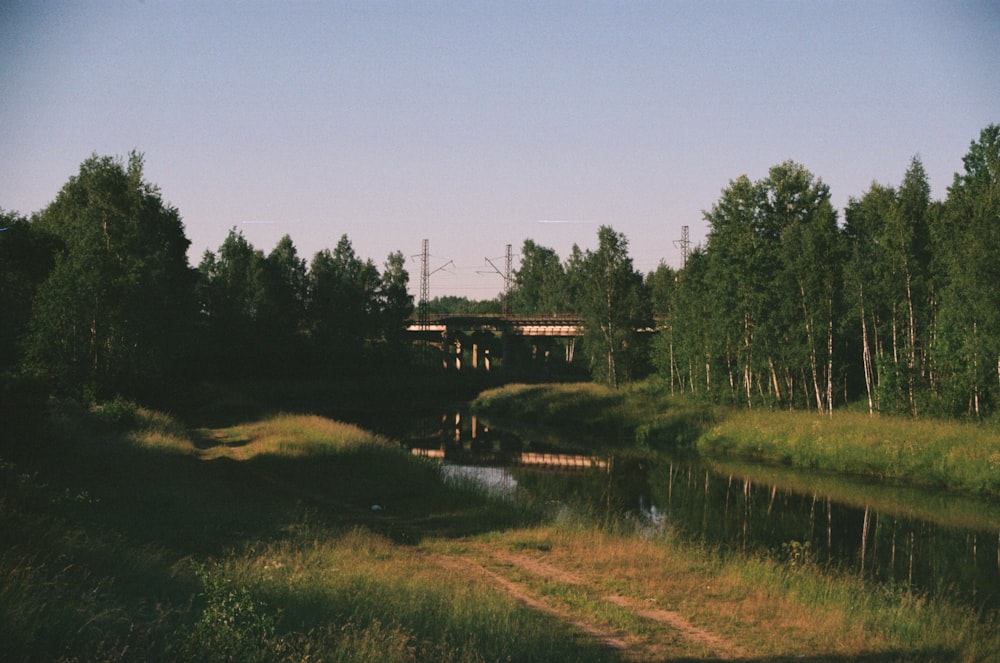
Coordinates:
<point>495,333</point>
<point>559,325</point>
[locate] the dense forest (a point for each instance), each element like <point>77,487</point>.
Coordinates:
<point>99,299</point>
<point>894,308</point>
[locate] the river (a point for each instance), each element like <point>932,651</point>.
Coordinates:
<point>895,537</point>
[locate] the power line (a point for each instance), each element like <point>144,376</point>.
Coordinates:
<point>506,278</point>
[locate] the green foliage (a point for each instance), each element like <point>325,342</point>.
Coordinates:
<point>451,304</point>
<point>615,306</point>
<point>293,319</point>
<point>771,275</point>
<point>110,315</point>
<point>967,244</point>
<point>119,294</point>
<point>899,309</point>
<point>395,304</point>
<point>27,255</point>
<point>539,283</point>
<point>341,312</point>
<point>234,626</point>
<point>783,308</point>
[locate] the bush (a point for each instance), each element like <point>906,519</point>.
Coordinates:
<point>234,626</point>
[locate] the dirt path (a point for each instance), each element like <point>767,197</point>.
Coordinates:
<point>611,639</point>
<point>671,634</point>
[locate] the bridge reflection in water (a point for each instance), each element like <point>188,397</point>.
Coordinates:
<point>467,442</point>
<point>913,541</point>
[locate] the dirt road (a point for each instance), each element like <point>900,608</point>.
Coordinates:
<point>656,634</point>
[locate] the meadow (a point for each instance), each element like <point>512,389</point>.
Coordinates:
<point>132,534</point>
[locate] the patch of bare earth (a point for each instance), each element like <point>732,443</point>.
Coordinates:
<point>667,634</point>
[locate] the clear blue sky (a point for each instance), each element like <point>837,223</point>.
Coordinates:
<point>467,123</point>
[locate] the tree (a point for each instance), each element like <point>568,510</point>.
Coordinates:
<point>27,255</point>
<point>231,294</point>
<point>662,285</point>
<point>742,261</point>
<point>798,208</point>
<point>867,284</point>
<point>696,336</point>
<point>113,314</point>
<point>395,303</point>
<point>967,244</point>
<point>574,270</point>
<point>773,255</point>
<point>285,284</point>
<point>343,309</point>
<point>282,306</point>
<point>911,227</point>
<point>539,283</point>
<point>614,304</point>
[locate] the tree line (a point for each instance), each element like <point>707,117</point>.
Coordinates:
<point>897,307</point>
<point>99,299</point>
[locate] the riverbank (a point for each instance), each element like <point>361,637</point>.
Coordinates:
<point>960,457</point>
<point>131,535</point>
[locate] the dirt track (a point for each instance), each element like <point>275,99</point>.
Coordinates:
<point>667,634</point>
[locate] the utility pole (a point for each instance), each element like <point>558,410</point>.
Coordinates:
<point>425,284</point>
<point>684,244</point>
<point>506,274</point>
<point>507,284</point>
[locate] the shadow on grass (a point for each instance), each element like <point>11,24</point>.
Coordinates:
<point>103,537</point>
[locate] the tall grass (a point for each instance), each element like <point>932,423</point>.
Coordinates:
<point>290,436</point>
<point>957,456</point>
<point>127,537</point>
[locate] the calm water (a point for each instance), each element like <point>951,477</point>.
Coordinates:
<point>895,537</point>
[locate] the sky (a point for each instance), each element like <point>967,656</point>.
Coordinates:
<point>476,125</point>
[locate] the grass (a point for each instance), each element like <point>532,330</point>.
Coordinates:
<point>770,609</point>
<point>129,535</point>
<point>957,456</point>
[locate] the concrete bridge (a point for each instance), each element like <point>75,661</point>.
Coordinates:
<point>562,326</point>
<point>488,337</point>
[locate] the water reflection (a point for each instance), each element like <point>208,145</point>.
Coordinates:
<point>904,538</point>
<point>462,440</point>
<point>742,512</point>
<point>496,481</point>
